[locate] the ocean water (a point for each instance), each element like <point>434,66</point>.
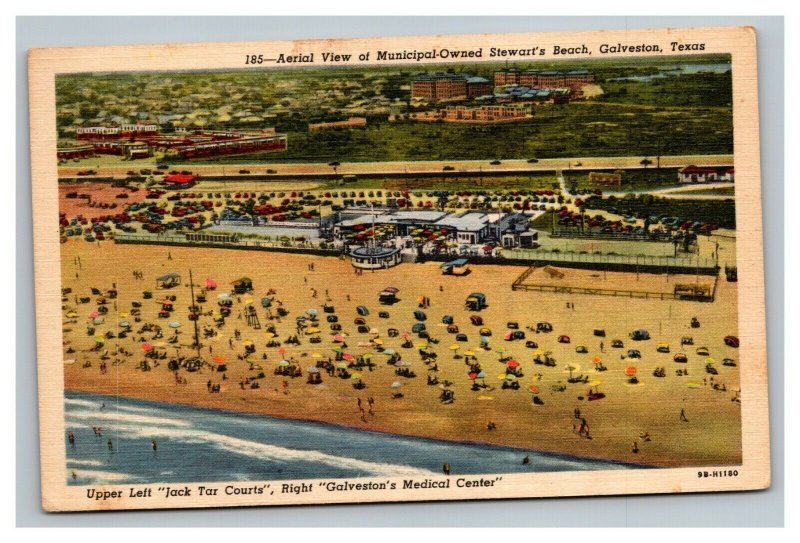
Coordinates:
<point>196,444</point>
<point>682,69</point>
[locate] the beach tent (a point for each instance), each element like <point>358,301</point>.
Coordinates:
<point>363,311</point>
<point>242,285</point>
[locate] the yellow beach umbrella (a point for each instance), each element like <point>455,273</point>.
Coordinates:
<point>377,341</point>
<point>469,352</point>
<point>316,355</point>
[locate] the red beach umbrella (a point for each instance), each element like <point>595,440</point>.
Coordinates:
<point>630,371</point>
<point>473,375</point>
<point>512,364</point>
<point>146,347</point>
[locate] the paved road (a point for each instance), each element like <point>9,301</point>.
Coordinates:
<point>418,167</point>
<point>683,192</point>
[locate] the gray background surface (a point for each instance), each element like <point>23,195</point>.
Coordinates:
<point>763,508</point>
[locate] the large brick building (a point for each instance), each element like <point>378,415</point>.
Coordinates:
<point>449,86</point>
<point>574,80</point>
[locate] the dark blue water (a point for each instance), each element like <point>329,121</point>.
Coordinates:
<point>196,444</point>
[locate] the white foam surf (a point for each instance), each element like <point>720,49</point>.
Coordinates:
<point>273,453</point>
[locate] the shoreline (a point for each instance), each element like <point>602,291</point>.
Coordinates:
<point>626,413</point>
<point>421,437</point>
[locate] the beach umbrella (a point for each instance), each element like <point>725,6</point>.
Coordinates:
<point>211,284</point>
<point>269,335</point>
<point>99,320</point>
<point>455,347</point>
<point>123,315</point>
<point>422,344</point>
<point>472,375</point>
<point>348,356</point>
<point>396,384</point>
<point>367,356</point>
<point>630,371</point>
<point>312,330</point>
<point>247,342</point>
<point>99,339</point>
<point>281,350</point>
<point>377,341</point>
<point>373,330</point>
<point>469,352</point>
<point>694,384</point>
<point>146,347</point>
<point>405,335</point>
<point>512,364</point>
<point>336,349</point>
<point>355,376</point>
<point>283,363</point>
<point>594,382</point>
<point>501,350</point>
<point>389,352</point>
<point>365,344</point>
<point>338,338</point>
<point>223,296</point>
<point>312,312</point>
<point>313,369</point>
<point>481,374</point>
<point>218,359</point>
<point>597,360</point>
<point>174,324</point>
<point>511,377</point>
<point>341,365</point>
<point>502,376</point>
<point>316,355</point>
<point>534,389</point>
<point>124,324</point>
<point>94,314</point>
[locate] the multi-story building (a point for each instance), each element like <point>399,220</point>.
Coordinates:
<point>574,79</point>
<point>449,86</point>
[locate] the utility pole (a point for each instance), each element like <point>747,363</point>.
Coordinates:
<point>196,330</point>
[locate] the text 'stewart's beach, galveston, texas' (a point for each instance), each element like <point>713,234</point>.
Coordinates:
<point>399,269</point>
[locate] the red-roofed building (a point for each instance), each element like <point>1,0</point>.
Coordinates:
<point>704,174</point>
<point>180,180</point>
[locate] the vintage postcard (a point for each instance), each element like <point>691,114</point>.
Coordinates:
<point>399,269</point>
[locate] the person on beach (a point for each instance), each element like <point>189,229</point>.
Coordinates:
<point>155,445</point>
<point>110,445</point>
<point>526,460</point>
<point>71,438</point>
<point>446,468</point>
<point>683,415</point>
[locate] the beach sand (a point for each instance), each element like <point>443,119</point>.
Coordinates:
<point>712,435</point>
